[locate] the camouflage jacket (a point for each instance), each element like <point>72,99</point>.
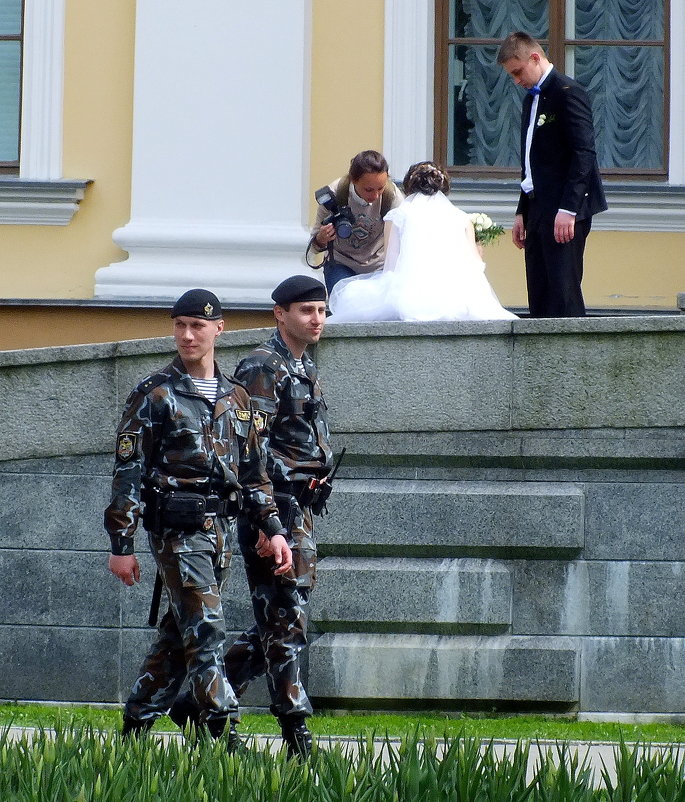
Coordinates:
<point>290,411</point>
<point>171,437</point>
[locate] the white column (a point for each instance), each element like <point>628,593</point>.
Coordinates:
<point>408,90</point>
<point>42,90</point>
<point>220,150</point>
<point>676,173</point>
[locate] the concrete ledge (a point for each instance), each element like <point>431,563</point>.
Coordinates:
<point>452,518</point>
<point>448,596</point>
<point>429,667</point>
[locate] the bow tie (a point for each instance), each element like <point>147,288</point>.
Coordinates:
<point>534,90</point>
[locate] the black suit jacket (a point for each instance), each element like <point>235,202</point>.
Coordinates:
<point>563,160</point>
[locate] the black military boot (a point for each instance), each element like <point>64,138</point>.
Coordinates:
<point>134,727</point>
<point>184,711</point>
<point>215,726</point>
<point>234,743</point>
<point>296,736</point>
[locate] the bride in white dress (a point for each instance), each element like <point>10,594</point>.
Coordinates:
<point>432,271</point>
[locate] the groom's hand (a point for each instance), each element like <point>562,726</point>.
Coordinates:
<point>564,227</point>
<point>518,232</point>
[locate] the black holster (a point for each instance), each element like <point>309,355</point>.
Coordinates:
<point>315,494</point>
<point>287,510</point>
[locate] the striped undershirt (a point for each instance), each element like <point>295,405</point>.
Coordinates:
<point>207,387</point>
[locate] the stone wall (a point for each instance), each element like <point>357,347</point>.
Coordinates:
<point>507,531</point>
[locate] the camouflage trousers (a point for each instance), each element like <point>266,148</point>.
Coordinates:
<point>192,633</point>
<point>281,607</point>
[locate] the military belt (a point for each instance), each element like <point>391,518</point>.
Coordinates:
<point>185,511</point>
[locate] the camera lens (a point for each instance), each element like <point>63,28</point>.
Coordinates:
<point>343,229</point>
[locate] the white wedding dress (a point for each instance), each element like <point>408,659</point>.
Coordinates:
<point>432,271</point>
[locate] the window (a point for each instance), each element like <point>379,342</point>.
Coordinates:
<point>617,49</point>
<point>11,33</point>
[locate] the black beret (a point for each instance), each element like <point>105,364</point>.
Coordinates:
<point>198,303</point>
<point>299,288</point>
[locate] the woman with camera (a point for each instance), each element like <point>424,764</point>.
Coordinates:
<point>370,194</point>
<point>433,269</point>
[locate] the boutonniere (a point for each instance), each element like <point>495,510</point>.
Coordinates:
<point>545,118</point>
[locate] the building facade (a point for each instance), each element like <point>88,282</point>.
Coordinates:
<point>157,150</point>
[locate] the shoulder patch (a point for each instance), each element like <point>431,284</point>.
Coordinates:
<point>126,445</point>
<point>151,382</point>
<point>243,414</point>
<point>260,420</point>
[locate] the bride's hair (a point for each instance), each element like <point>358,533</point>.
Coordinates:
<point>427,178</point>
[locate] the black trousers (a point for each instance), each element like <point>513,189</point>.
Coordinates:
<point>554,271</point>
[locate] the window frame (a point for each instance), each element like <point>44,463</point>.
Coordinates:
<point>556,46</point>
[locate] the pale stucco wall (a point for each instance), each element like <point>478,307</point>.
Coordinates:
<point>60,261</point>
<point>623,269</point>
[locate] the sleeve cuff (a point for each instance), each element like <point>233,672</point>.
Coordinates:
<point>273,526</point>
<point>121,545</point>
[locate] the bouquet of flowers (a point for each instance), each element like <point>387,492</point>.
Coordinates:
<point>486,231</point>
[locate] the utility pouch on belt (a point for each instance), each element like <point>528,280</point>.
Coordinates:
<point>314,495</point>
<point>185,511</point>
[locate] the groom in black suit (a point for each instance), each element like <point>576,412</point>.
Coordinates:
<point>561,188</point>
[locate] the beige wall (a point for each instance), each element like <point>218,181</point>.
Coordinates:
<point>347,86</point>
<point>60,261</point>
<point>629,269</point>
<point>33,326</point>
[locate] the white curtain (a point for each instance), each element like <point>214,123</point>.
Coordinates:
<point>625,83</point>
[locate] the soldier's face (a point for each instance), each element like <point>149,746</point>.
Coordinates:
<point>195,338</point>
<point>301,325</point>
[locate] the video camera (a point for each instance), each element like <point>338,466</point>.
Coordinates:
<point>341,216</point>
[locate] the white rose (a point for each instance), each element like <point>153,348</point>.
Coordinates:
<point>480,221</point>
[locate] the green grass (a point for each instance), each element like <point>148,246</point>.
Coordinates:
<point>82,764</point>
<point>500,727</point>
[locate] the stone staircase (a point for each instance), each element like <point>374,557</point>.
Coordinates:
<point>416,594</point>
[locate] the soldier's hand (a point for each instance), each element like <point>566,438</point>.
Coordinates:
<point>125,567</point>
<point>263,545</point>
<point>283,557</point>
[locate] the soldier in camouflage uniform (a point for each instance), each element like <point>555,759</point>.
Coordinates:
<point>282,381</point>
<point>187,447</point>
